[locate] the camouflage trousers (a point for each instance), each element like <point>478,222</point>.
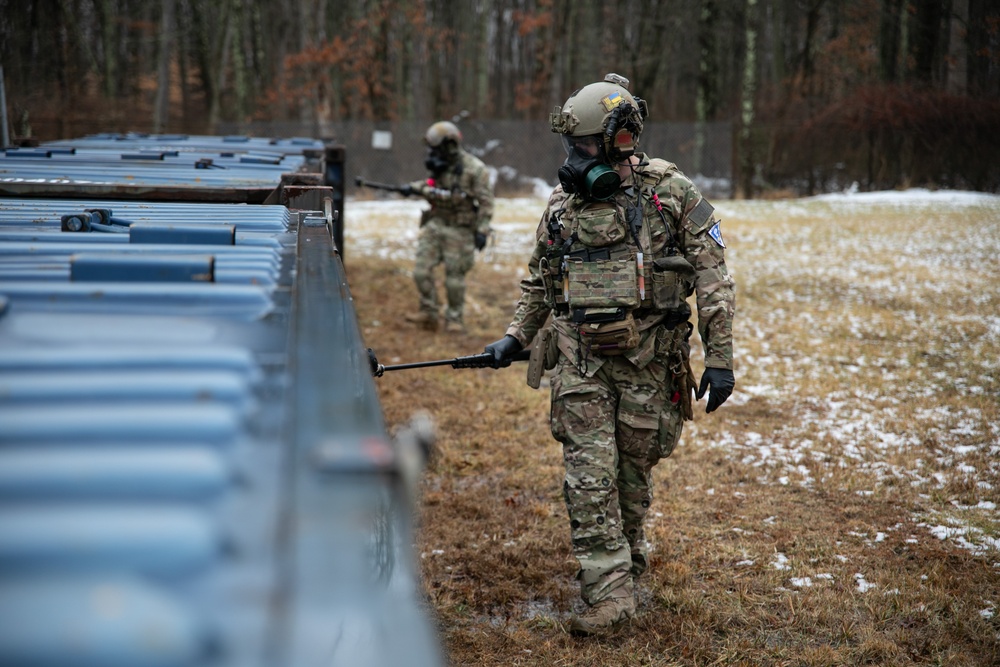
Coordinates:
<point>455,248</point>
<point>614,427</point>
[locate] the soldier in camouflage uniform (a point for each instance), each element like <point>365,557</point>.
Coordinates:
<point>624,241</point>
<point>456,225</point>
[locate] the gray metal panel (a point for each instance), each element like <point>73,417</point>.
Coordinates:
<point>45,213</point>
<point>203,464</point>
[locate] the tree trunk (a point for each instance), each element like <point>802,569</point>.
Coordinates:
<point>888,40</point>
<point>983,68</point>
<point>106,24</point>
<point>483,96</point>
<point>707,101</point>
<point>924,46</point>
<point>747,103</point>
<point>213,25</point>
<point>161,109</point>
<point>240,83</point>
<point>220,67</point>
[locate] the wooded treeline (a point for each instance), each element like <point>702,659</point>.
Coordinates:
<point>883,92</point>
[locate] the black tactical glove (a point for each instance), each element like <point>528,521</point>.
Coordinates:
<point>502,351</point>
<point>405,190</point>
<point>481,240</point>
<point>722,381</point>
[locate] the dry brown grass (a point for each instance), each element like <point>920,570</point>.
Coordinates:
<point>805,523</point>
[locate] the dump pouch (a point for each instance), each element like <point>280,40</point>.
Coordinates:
<point>610,338</point>
<point>675,344</point>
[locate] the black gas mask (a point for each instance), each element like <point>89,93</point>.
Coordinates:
<point>586,171</point>
<point>440,157</point>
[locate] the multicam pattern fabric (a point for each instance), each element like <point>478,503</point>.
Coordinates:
<point>614,427</point>
<point>602,284</point>
<point>461,196</point>
<point>461,202</point>
<point>455,248</point>
<point>616,416</point>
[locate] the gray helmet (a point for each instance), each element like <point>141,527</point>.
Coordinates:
<point>442,131</point>
<point>606,109</point>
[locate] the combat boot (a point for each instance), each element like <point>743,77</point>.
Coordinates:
<point>454,326</point>
<point>603,616</point>
<point>423,319</point>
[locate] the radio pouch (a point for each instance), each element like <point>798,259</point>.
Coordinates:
<point>673,279</point>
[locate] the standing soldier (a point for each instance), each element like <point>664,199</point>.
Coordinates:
<point>624,241</point>
<point>454,228</point>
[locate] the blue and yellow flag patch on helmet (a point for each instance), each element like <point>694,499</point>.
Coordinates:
<point>612,100</point>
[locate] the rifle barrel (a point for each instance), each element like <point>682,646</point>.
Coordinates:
<point>481,360</point>
<point>419,364</point>
<point>376,185</point>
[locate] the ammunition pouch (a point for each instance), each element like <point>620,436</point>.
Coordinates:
<point>610,338</point>
<point>589,254</point>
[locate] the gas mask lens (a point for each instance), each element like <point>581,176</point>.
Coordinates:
<point>584,147</point>
<point>585,171</point>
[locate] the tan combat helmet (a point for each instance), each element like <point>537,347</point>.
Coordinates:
<point>444,146</point>
<point>442,131</point>
<point>604,108</point>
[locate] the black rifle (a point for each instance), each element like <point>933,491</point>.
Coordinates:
<point>402,189</point>
<point>481,360</point>
<point>430,194</point>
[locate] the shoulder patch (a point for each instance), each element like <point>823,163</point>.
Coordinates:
<point>701,214</point>
<point>716,233</point>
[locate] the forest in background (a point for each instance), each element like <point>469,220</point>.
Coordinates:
<point>888,93</point>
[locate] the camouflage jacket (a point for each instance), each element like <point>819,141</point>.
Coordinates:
<point>676,221</point>
<point>461,196</point>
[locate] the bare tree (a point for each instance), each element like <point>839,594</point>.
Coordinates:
<point>161,108</point>
<point>707,101</point>
<point>748,103</point>
<point>888,39</point>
